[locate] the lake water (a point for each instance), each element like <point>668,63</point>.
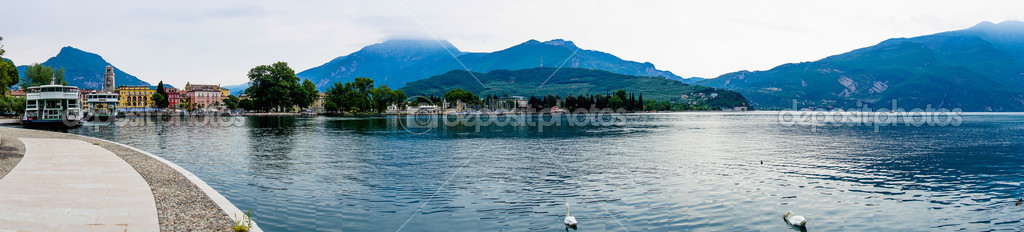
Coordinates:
<point>655,172</point>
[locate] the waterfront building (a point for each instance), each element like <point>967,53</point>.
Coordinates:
<point>135,96</point>
<point>173,97</point>
<point>203,99</point>
<point>224,93</point>
<point>17,93</point>
<point>318,105</point>
<point>189,87</point>
<point>204,96</point>
<point>513,102</point>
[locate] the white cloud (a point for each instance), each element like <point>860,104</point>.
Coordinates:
<point>218,41</point>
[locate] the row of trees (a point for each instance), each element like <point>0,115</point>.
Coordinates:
<point>276,88</point>
<point>619,100</point>
<point>360,96</point>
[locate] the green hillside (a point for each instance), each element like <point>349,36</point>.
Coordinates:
<point>570,81</point>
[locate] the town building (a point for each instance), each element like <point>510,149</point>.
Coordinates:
<point>513,102</point>
<point>108,80</point>
<point>135,96</point>
<point>224,93</point>
<point>17,93</point>
<point>173,97</point>
<point>203,96</point>
<point>318,105</point>
<point>82,96</point>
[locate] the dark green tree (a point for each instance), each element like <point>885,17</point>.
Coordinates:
<point>38,74</point>
<point>329,106</point>
<point>231,102</point>
<point>164,101</point>
<point>271,86</point>
<point>306,94</point>
<point>352,96</point>
<point>461,95</point>
<point>157,98</point>
<point>246,104</point>
<point>8,72</point>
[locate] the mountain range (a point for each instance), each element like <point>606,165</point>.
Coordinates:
<point>397,62</point>
<point>976,69</point>
<point>980,68</point>
<point>85,69</point>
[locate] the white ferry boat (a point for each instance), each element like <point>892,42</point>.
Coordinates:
<point>101,106</point>
<point>57,105</point>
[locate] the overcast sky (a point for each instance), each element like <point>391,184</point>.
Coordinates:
<point>217,42</point>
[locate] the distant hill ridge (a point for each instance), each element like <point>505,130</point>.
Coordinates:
<point>976,69</point>
<point>84,69</point>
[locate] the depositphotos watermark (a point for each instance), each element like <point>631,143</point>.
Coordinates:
<point>865,116</point>
<point>427,117</point>
<point>135,119</point>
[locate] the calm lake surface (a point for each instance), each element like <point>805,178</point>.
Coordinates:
<point>656,172</point>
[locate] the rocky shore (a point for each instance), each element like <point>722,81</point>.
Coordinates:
<point>181,205</point>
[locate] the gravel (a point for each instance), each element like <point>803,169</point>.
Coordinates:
<point>181,206</point>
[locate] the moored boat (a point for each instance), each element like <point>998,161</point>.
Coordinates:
<point>101,106</point>
<point>53,104</point>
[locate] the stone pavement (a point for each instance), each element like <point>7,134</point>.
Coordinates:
<point>72,185</point>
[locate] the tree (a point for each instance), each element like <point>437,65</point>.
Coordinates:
<point>164,101</point>
<point>38,74</point>
<point>306,94</point>
<point>12,105</point>
<point>384,97</point>
<point>231,102</point>
<point>360,96</point>
<point>461,95</point>
<point>271,86</point>
<point>8,72</point>
<point>247,104</point>
<point>352,96</point>
<point>8,75</point>
<point>329,106</point>
<point>156,98</point>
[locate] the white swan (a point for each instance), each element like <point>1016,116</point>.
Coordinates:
<point>795,220</point>
<point>569,220</point>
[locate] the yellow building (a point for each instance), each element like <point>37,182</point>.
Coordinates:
<point>135,96</point>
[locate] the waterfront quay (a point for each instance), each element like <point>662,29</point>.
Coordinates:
<point>53,181</point>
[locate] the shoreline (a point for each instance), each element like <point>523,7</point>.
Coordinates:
<point>183,201</point>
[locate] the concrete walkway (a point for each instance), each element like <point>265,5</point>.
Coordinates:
<point>72,185</point>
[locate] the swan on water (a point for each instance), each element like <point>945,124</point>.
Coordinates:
<point>795,220</point>
<point>569,219</point>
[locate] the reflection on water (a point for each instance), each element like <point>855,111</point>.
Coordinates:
<point>663,172</point>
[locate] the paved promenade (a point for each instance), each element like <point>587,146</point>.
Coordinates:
<point>73,185</point>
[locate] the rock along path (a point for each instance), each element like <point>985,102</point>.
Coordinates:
<point>72,185</point>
